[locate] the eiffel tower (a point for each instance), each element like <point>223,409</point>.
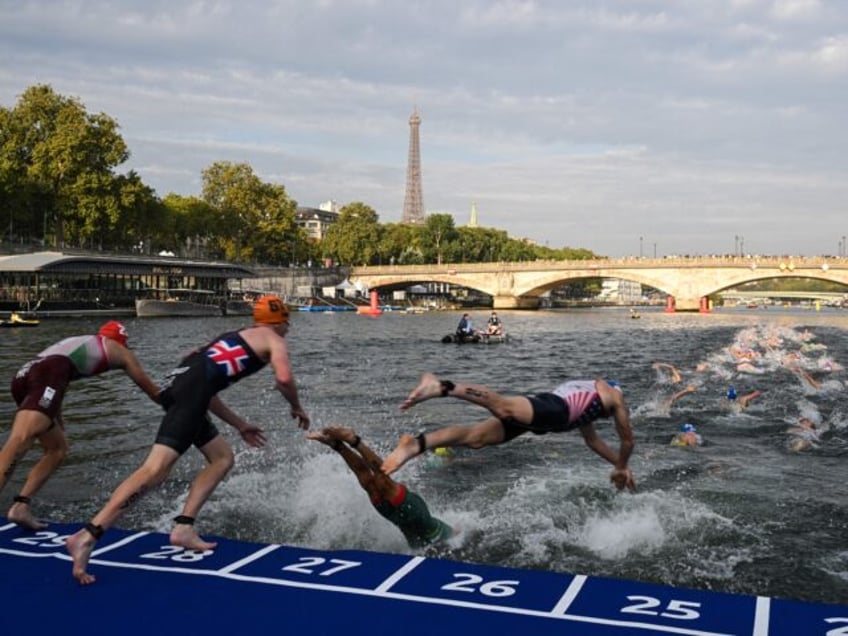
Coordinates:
<point>413,202</point>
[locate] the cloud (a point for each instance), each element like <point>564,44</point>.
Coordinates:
<point>683,123</point>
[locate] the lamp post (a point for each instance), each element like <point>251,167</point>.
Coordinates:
<point>736,245</point>
<point>640,246</point>
<point>655,250</point>
<point>741,245</point>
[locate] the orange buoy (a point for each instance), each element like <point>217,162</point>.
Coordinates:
<point>374,309</point>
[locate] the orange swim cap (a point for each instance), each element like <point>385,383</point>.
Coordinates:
<point>270,310</point>
<point>114,331</point>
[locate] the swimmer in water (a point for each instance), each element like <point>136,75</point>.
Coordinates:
<point>802,436</point>
<point>391,499</point>
<point>740,402</point>
<point>687,436</point>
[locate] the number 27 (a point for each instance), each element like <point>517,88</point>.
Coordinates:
<point>675,609</point>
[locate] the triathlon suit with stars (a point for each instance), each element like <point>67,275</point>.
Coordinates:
<point>571,404</point>
<point>189,388</point>
<point>41,383</point>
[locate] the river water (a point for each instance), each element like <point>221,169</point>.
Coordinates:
<point>742,513</point>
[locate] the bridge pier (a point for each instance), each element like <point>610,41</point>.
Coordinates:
<point>673,304</point>
<point>515,302</point>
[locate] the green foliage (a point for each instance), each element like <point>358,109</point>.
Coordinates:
<point>257,219</point>
<point>52,151</point>
<point>59,185</point>
<point>438,230</point>
<point>355,238</point>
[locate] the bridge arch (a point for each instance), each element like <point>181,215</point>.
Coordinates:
<point>687,280</point>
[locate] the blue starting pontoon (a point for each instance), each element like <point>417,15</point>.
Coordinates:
<point>145,586</point>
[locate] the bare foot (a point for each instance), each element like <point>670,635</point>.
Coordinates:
<point>340,433</point>
<point>79,546</point>
<point>183,535</point>
<point>21,514</point>
<point>429,387</point>
<point>407,448</point>
<point>319,436</point>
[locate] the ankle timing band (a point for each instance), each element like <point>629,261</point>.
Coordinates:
<point>447,387</point>
<point>94,530</point>
<point>189,521</point>
<point>21,499</point>
<point>422,443</point>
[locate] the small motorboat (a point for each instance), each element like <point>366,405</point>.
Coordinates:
<point>480,337</point>
<point>15,320</point>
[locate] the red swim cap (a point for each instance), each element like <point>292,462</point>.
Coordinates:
<point>114,331</point>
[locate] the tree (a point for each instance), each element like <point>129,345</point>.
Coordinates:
<point>355,238</point>
<point>438,229</point>
<point>258,218</point>
<point>400,243</point>
<point>195,226</point>
<point>66,158</point>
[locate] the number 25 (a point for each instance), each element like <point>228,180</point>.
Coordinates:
<point>676,609</point>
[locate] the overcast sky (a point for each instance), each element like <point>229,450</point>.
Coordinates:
<point>678,126</point>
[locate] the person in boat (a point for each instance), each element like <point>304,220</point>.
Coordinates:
<point>39,388</point>
<point>190,392</point>
<point>494,326</point>
<point>465,329</point>
<point>393,500</point>
<point>571,405</point>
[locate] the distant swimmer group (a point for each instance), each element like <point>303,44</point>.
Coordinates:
<point>761,351</point>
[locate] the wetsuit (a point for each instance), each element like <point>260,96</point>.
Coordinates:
<point>41,383</point>
<point>189,388</point>
<point>571,404</point>
<point>409,512</point>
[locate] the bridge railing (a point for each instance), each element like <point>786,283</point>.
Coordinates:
<point>630,262</point>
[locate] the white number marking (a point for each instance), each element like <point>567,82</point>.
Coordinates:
<point>684,610</point>
<point>469,583</point>
<point>178,554</point>
<point>309,565</point>
<point>43,539</point>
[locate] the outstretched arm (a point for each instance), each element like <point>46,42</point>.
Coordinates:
<point>365,465</point>
<point>675,374</point>
<point>252,435</point>
<point>615,405</point>
<point>689,389</point>
<point>285,383</point>
<point>122,358</point>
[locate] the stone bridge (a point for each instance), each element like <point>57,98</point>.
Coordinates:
<point>687,281</point>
